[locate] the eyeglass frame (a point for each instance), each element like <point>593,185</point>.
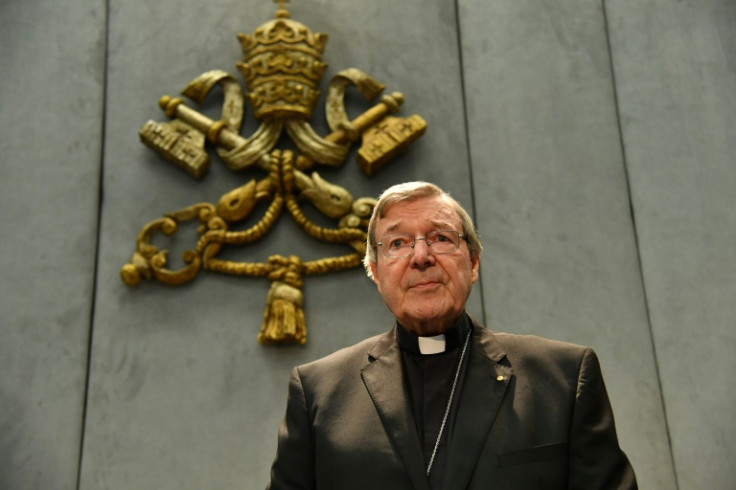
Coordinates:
<point>460,236</point>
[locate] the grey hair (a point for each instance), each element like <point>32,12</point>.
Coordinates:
<point>411,191</point>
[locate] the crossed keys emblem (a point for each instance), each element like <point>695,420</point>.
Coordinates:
<point>282,69</point>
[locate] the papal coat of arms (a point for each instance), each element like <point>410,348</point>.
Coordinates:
<point>282,68</point>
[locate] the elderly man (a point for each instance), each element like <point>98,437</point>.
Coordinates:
<point>439,401</point>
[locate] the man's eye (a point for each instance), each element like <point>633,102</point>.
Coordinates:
<point>443,236</point>
<point>397,243</point>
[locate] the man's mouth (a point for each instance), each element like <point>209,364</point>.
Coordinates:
<point>424,284</point>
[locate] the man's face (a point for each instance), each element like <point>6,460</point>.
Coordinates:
<point>426,292</point>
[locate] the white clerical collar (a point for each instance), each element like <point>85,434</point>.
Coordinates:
<point>448,340</point>
<point>431,345</point>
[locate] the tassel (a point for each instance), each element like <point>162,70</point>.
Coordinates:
<point>283,319</point>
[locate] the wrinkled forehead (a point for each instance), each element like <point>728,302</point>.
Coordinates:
<point>427,213</point>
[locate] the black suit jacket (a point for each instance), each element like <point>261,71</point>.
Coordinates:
<point>533,413</point>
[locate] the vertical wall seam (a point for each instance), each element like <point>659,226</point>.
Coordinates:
<point>95,268</point>
<point>466,126</point>
<point>632,212</point>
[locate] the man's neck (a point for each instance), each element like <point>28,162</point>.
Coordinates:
<point>430,327</point>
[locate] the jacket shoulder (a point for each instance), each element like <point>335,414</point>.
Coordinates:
<point>534,354</point>
<point>533,344</point>
<point>521,345</point>
<point>339,363</point>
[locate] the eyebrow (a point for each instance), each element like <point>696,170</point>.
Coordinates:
<point>438,225</point>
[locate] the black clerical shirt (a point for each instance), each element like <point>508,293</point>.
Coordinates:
<point>429,380</point>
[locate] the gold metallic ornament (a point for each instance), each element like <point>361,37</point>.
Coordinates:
<point>282,69</point>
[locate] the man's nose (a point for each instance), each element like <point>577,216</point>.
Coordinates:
<point>422,256</point>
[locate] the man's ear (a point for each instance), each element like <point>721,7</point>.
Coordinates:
<point>474,266</point>
<point>374,272</point>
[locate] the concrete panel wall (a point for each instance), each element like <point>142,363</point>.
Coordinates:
<point>593,140</point>
<point>675,68</point>
<point>552,201</point>
<point>51,87</point>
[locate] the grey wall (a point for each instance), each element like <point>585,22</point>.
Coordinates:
<point>51,104</point>
<point>593,141</point>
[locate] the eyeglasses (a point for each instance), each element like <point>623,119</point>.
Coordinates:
<point>402,245</point>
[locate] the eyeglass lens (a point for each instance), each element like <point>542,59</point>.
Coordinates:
<point>439,242</point>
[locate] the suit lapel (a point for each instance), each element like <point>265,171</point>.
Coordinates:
<point>483,390</point>
<point>384,379</point>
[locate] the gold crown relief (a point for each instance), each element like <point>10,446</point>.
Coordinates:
<point>283,67</point>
